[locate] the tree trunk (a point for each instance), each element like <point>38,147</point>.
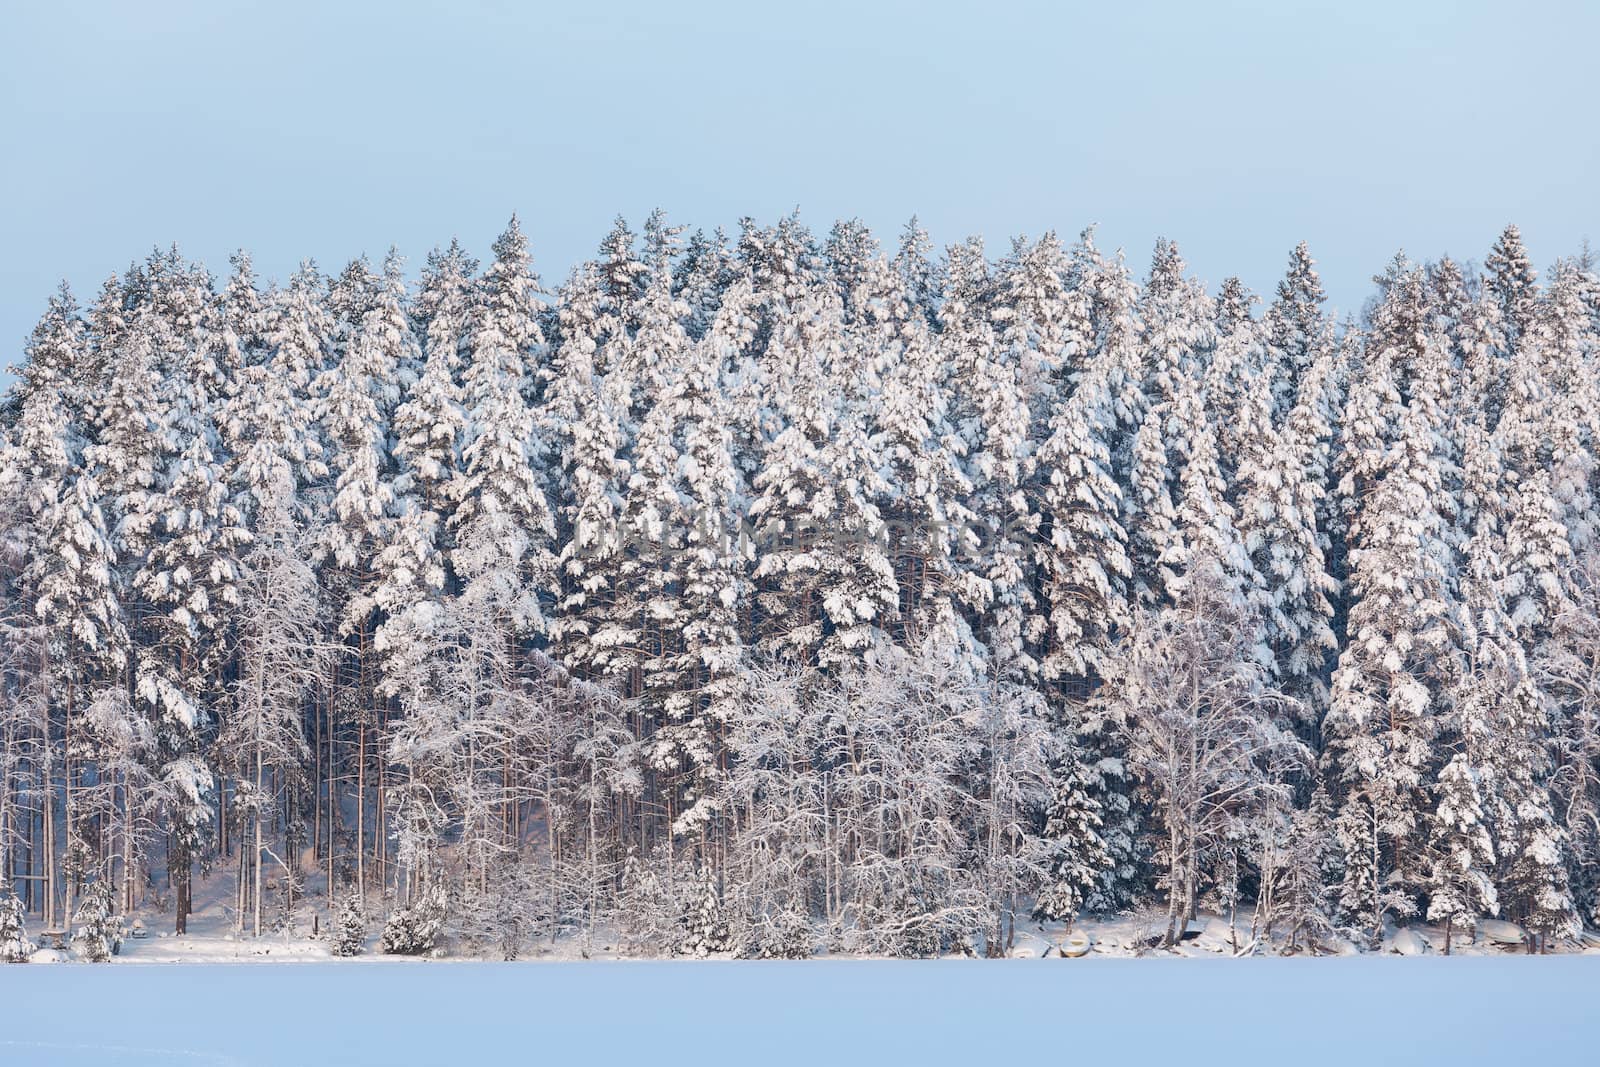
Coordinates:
<point>49,794</point>
<point>256,852</point>
<point>361,814</point>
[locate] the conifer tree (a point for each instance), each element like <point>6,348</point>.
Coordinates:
<point>824,579</point>
<point>1296,329</point>
<point>350,933</point>
<point>1282,488</point>
<point>1076,857</point>
<point>1085,564</point>
<point>502,522</point>
<point>929,524</point>
<point>1513,281</point>
<point>587,412</point>
<point>100,936</point>
<point>1180,330</point>
<point>1387,701</point>
<point>14,944</point>
<point>443,311</point>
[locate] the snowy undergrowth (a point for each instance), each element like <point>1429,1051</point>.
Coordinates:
<point>214,938</point>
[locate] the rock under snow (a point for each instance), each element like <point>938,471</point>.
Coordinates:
<point>1501,932</point>
<point>1340,946</point>
<point>1076,944</point>
<point>1408,942</point>
<point>1029,946</point>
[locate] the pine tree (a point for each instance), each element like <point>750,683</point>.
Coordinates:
<point>1076,858</point>
<point>1362,900</point>
<point>1513,281</point>
<point>701,279</point>
<point>1534,559</point>
<point>648,911</point>
<point>928,522</point>
<point>708,572</point>
<point>1180,325</point>
<point>14,944</point>
<point>1458,883</point>
<point>1204,520</point>
<point>1310,870</point>
<point>1385,709</point>
<point>190,581</point>
<point>587,413</point>
<point>705,926</point>
<point>300,329</point>
<point>919,275</point>
<point>1297,332</point>
<point>1534,882</point>
<point>1282,490</point>
<point>850,252</point>
<point>502,524</point>
<point>416,928</point>
<point>1084,564</point>
<point>824,580</point>
<point>350,931</point>
<point>100,935</point>
<point>1152,518</point>
<point>1238,384</point>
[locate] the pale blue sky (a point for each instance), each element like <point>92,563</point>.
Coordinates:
<point>1237,128</point>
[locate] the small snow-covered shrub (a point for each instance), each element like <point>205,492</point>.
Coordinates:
<point>783,935</point>
<point>100,936</point>
<point>648,909</point>
<point>502,917</point>
<point>14,944</point>
<point>350,928</point>
<point>705,924</point>
<point>415,929</point>
<point>515,914</point>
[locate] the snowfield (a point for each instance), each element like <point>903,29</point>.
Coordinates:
<point>1463,1010</point>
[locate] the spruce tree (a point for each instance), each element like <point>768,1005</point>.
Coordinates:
<point>1076,859</point>
<point>1296,329</point>
<point>350,931</point>
<point>1084,565</point>
<point>1513,281</point>
<point>14,944</point>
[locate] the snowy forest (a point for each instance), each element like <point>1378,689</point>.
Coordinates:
<point>773,593</point>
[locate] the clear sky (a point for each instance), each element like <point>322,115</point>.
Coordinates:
<point>1237,128</point>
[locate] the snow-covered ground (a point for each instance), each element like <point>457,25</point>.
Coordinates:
<point>1508,1010</point>
<point>213,938</point>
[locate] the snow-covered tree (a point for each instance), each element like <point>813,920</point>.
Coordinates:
<point>1513,281</point>
<point>1297,331</point>
<point>705,924</point>
<point>14,944</point>
<point>1084,565</point>
<point>824,580</point>
<point>99,937</point>
<point>503,526</point>
<point>1075,858</point>
<point>1459,885</point>
<point>1282,489</point>
<point>1387,697</point>
<point>349,933</point>
<point>1204,727</point>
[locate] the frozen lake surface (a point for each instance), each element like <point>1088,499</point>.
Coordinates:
<point>1323,1011</point>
